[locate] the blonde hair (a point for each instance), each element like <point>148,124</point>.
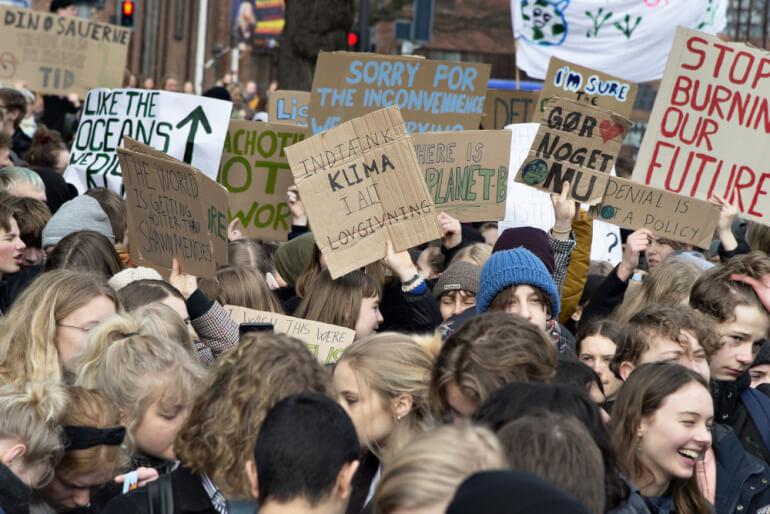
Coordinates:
<point>219,436</point>
<point>134,370</point>
<point>90,408</point>
<point>667,284</point>
<point>245,287</point>
<point>393,364</point>
<point>31,412</point>
<point>161,320</point>
<point>477,253</point>
<point>428,469</point>
<point>28,350</point>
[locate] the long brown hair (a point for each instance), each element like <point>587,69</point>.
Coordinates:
<point>218,437</point>
<point>641,396</point>
<point>337,301</point>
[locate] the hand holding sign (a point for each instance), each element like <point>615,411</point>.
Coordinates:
<point>184,283</point>
<point>451,230</point>
<point>400,263</point>
<point>636,243</point>
<point>564,211</point>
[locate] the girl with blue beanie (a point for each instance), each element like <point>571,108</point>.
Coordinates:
<point>517,281</point>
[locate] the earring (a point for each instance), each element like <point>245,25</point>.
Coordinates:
<point>398,419</point>
<point>638,445</point>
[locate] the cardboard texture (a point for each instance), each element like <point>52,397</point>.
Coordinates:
<point>503,107</point>
<point>433,96</point>
<point>573,141</point>
<point>173,210</point>
<point>591,87</point>
<point>187,127</point>
<point>361,185</point>
<point>466,172</point>
<point>708,131</point>
<point>256,173</point>
<point>288,107</point>
<point>326,342</point>
<point>668,215</point>
<point>59,55</point>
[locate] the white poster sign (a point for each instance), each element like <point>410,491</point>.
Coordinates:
<point>188,127</point>
<point>626,38</point>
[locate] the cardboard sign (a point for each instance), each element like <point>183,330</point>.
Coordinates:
<point>59,55</point>
<point>257,175</point>
<point>433,96</point>
<point>466,172</point>
<point>288,107</point>
<point>668,215</point>
<point>503,107</point>
<point>708,131</point>
<point>576,143</point>
<point>361,186</point>
<point>567,80</point>
<point>325,341</point>
<point>173,210</point>
<point>187,127</point>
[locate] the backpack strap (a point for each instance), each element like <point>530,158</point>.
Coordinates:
<point>161,495</point>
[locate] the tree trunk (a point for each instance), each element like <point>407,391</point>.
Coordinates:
<point>311,26</point>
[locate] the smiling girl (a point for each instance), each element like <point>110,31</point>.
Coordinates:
<point>661,428</point>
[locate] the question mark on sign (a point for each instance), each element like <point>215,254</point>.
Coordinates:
<point>615,243</point>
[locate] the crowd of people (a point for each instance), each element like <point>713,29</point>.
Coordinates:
<point>491,372</point>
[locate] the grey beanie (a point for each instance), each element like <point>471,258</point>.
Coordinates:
<point>459,276</point>
<point>81,213</point>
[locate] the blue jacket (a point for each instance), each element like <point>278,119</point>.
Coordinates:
<point>743,481</point>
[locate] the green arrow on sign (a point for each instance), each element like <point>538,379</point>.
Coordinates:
<point>196,117</point>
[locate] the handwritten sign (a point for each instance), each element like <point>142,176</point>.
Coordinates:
<point>503,107</point>
<point>567,80</point>
<point>361,186</point>
<point>574,140</point>
<point>288,107</point>
<point>60,54</point>
<point>433,96</point>
<point>187,127</point>
<point>256,173</point>
<point>669,215</point>
<point>325,341</point>
<point>173,210</point>
<point>466,172</point>
<point>709,128</point>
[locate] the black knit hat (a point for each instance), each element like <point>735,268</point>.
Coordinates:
<point>533,239</point>
<point>60,4</point>
<point>763,357</point>
<point>512,492</point>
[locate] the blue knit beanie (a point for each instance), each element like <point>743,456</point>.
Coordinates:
<point>512,268</point>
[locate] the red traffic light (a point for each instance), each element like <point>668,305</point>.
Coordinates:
<point>352,39</point>
<point>127,7</point>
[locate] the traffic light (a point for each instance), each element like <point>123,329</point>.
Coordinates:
<point>353,41</point>
<point>127,13</point>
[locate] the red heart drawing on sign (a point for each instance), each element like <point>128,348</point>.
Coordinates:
<point>610,130</point>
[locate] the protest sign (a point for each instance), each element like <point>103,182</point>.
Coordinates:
<point>59,55</point>
<point>433,96</point>
<point>709,128</point>
<point>257,175</point>
<point>575,143</point>
<point>628,38</point>
<point>325,341</point>
<point>187,127</point>
<point>503,107</point>
<point>527,207</point>
<point>567,80</point>
<point>466,172</point>
<point>173,210</point>
<point>288,107</point>
<point>668,215</point>
<point>362,186</point>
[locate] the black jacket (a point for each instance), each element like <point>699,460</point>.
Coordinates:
<point>743,481</point>
<point>404,312</point>
<point>729,410</point>
<point>189,497</point>
<point>11,286</point>
<point>15,495</point>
